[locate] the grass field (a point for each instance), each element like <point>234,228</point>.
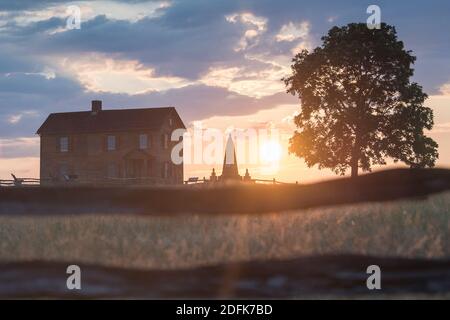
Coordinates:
<point>408,228</point>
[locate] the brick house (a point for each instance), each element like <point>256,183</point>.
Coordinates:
<point>131,146</point>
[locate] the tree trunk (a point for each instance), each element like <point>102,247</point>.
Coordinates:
<point>355,156</point>
<point>354,168</point>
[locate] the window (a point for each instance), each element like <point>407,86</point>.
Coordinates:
<point>170,121</point>
<point>111,143</point>
<point>143,141</point>
<point>64,144</point>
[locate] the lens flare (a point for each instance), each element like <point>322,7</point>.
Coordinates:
<point>270,152</point>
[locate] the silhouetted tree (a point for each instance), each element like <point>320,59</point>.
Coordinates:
<point>358,105</point>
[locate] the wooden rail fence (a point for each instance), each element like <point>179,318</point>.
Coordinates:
<point>20,182</point>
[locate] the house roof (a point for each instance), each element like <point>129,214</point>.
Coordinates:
<point>108,120</point>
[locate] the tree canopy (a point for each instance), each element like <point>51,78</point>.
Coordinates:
<point>358,105</point>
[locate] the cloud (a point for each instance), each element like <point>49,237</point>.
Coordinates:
<point>10,63</point>
<point>30,5</point>
<point>16,118</point>
<point>100,73</point>
<point>36,83</point>
<point>273,118</point>
<point>180,41</point>
<point>298,33</point>
<point>445,89</point>
<point>184,53</point>
<point>131,11</point>
<point>219,60</point>
<point>205,57</point>
<point>244,81</point>
<point>55,18</point>
<point>19,147</point>
<point>331,19</point>
<point>13,5</point>
<point>293,31</point>
<point>196,102</point>
<point>254,26</point>
<point>193,102</point>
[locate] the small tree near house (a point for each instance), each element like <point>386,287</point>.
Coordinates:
<point>358,106</point>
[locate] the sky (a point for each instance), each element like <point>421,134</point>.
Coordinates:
<point>218,62</point>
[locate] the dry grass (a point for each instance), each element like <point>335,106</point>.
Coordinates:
<point>401,228</point>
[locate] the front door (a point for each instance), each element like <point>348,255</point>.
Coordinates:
<point>135,168</point>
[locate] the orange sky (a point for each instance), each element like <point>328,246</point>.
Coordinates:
<point>208,60</point>
<point>290,168</point>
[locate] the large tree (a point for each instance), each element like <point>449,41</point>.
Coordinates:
<point>358,105</point>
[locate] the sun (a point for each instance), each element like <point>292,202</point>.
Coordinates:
<point>270,152</point>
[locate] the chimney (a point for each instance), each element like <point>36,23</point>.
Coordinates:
<point>96,106</point>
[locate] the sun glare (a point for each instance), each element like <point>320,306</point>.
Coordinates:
<point>270,152</point>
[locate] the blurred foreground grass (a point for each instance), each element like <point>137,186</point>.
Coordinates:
<point>409,228</point>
